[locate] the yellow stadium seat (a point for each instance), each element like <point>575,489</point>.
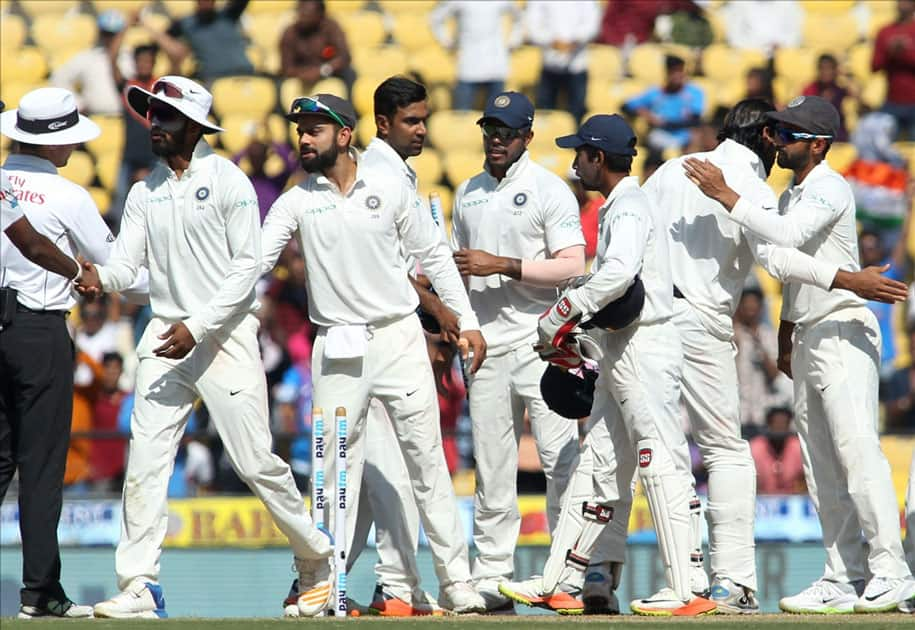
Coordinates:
<point>400,7</point>
<point>453,130</point>
<point>719,26</point>
<point>107,167</point>
<point>549,125</point>
<point>27,64</point>
<point>379,62</point>
<point>841,155</point>
<point>821,8</point>
<point>102,199</point>
<point>163,66</point>
<point>243,95</point>
<point>859,60</point>
<point>646,63</point>
<point>411,30</point>
<point>554,159</point>
<point>363,96</point>
<point>525,64</point>
<point>36,8</point>
<point>12,32</point>
<point>266,29</point>
<point>292,88</point>
<point>714,93</point>
<point>605,97</point>
<point>779,179</point>
<point>330,85</point>
<point>604,62</point>
<point>111,140</point>
<point>428,166</point>
<point>831,32</point>
<point>339,8</point>
<point>798,63</point>
<point>439,96</point>
<point>364,29</point>
<point>434,64</point>
<point>365,130</point>
<point>53,32</point>
<point>12,91</point>
<point>720,62</point>
<point>180,8</point>
<point>785,89</point>
<point>79,169</point>
<point>873,92</point>
<point>240,130</point>
<point>124,6</point>
<point>462,165</point>
<point>269,7</point>
<point>882,13</point>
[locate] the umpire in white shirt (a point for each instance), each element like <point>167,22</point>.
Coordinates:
<point>194,222</point>
<point>36,352</point>
<point>517,233</point>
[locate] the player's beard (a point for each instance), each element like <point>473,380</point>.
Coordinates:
<point>794,162</point>
<point>171,143</point>
<point>320,162</point>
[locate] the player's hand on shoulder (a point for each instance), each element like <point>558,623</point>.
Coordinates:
<point>178,342</point>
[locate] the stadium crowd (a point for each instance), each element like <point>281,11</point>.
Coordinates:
<point>673,67</point>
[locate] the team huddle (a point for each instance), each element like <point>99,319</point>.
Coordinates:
<point>649,326</point>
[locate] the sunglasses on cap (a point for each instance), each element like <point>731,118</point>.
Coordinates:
<point>505,134</point>
<point>789,135</point>
<point>308,105</point>
<point>171,90</point>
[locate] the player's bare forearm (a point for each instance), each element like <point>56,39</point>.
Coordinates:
<point>39,249</point>
<point>871,284</point>
<point>785,346</point>
<point>431,304</point>
<point>476,262</point>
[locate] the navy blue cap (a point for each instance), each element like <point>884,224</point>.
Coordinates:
<point>512,109</point>
<point>609,133</point>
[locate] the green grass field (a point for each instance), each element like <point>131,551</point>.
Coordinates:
<point>867,622</point>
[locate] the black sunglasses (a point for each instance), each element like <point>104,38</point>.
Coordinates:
<point>505,134</point>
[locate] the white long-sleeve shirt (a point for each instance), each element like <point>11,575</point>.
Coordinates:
<point>710,255</point>
<point>629,244</point>
<point>67,215</point>
<point>550,21</point>
<point>530,214</point>
<point>352,243</point>
<point>200,237</point>
<point>481,45</point>
<point>816,216</point>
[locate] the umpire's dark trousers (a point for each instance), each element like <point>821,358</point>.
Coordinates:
<point>36,408</point>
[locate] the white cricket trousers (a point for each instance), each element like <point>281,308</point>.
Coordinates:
<point>387,501</point>
<point>500,391</point>
<point>226,371</point>
<point>396,371</point>
<point>711,395</point>
<point>835,371</point>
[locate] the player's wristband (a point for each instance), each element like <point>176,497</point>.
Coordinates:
<point>79,272</point>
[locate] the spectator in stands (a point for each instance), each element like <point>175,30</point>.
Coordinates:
<point>482,50</point>
<point>898,394</point>
<point>261,156</point>
<point>763,25</point>
<point>759,85</point>
<point>78,469</point>
<point>108,453</point>
<point>96,335</point>
<point>777,453</point>
<point>627,23</point>
<point>214,37</point>
<point>872,251</point>
<point>894,53</point>
<point>289,427</point>
<point>314,47</point>
<point>90,75</point>
<point>874,135</point>
<point>589,208</point>
<point>826,86</point>
<point>761,385</point>
<point>671,110</point>
<point>563,31</point>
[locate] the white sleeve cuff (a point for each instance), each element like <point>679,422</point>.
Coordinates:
<point>741,210</point>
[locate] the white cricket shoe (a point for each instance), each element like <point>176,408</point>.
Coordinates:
<point>823,597</point>
<point>496,602</point>
<point>140,600</point>
<point>316,581</point>
<point>597,594</point>
<point>61,608</point>
<point>908,606</point>
<point>732,598</point>
<point>666,603</point>
<point>885,594</point>
<point>461,598</point>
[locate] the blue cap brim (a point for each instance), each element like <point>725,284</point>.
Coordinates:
<point>570,142</point>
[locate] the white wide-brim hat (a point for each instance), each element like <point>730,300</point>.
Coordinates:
<point>188,97</point>
<point>48,117</point>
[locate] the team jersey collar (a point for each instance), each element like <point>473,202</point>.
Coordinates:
<point>514,172</point>
<point>387,152</point>
<point>735,151</point>
<point>820,170</point>
<point>321,179</point>
<point>201,151</point>
<point>32,163</point>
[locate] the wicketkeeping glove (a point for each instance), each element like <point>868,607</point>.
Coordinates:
<point>558,322</point>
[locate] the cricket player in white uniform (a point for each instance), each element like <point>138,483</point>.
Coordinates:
<point>834,361</point>
<point>354,223</point>
<point>637,393</point>
<point>194,222</point>
<point>908,544</point>
<point>401,111</point>
<point>517,235</point>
